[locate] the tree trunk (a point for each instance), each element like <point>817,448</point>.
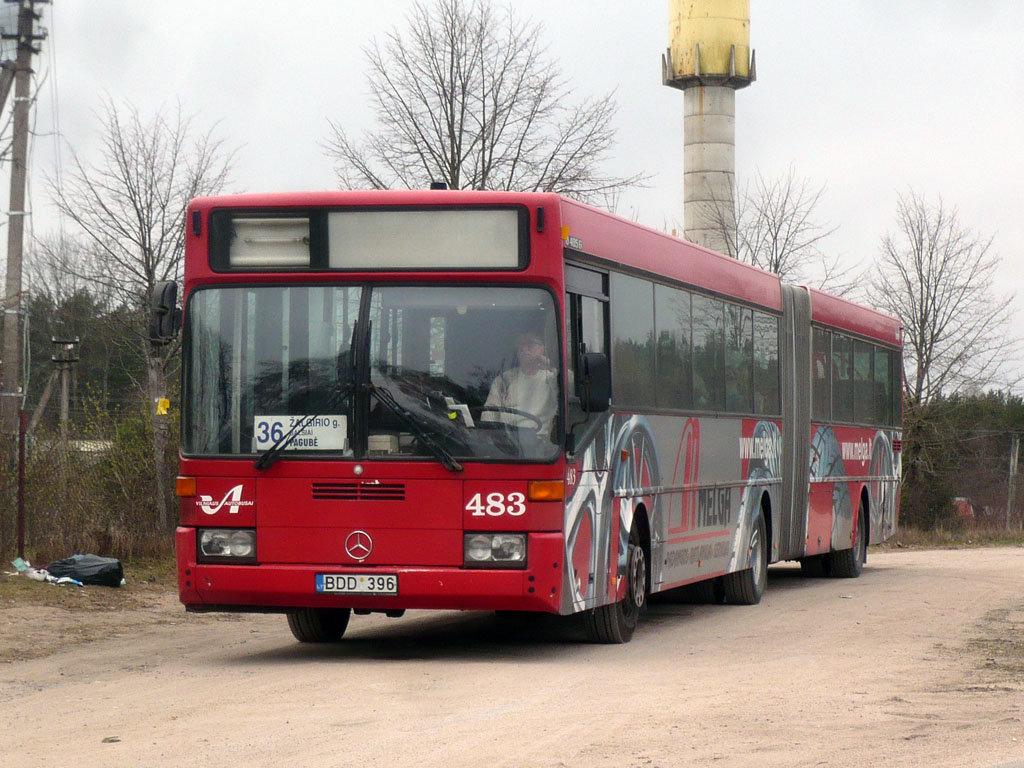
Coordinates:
<point>157,385</point>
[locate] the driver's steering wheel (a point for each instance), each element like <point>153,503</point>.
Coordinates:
<point>538,425</point>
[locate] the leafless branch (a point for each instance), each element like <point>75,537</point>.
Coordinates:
<point>129,207</point>
<point>938,278</point>
<point>467,95</point>
<point>772,224</point>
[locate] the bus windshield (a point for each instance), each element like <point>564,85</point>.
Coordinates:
<point>473,369</point>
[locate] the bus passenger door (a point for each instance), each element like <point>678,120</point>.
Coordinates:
<point>586,330</point>
<point>591,539</point>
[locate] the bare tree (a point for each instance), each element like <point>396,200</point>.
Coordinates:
<point>467,95</point>
<point>61,272</point>
<point>772,224</point>
<point>60,266</point>
<point>938,278</point>
<point>129,209</point>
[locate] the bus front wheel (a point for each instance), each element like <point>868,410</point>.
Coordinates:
<point>319,625</point>
<point>746,587</point>
<point>615,623</point>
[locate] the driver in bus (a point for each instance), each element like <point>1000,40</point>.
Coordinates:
<point>527,390</point>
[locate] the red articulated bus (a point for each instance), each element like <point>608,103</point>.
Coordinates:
<point>512,402</point>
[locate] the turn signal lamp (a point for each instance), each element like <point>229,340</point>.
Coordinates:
<point>185,486</point>
<point>545,490</point>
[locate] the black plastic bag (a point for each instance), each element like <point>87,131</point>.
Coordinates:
<point>89,569</point>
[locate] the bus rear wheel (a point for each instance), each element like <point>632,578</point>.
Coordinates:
<point>707,592</point>
<point>615,623</point>
<point>746,587</point>
<point>848,563</point>
<point>319,625</point>
<point>815,566</point>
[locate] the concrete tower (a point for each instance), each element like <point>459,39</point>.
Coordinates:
<point>709,58</point>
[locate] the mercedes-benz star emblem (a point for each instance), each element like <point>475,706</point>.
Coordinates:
<point>359,545</point>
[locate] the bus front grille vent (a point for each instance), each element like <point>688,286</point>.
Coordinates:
<point>362,490</point>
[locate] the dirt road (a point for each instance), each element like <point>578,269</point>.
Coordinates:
<point>918,662</point>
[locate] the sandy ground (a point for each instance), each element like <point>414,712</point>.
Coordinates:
<point>918,662</point>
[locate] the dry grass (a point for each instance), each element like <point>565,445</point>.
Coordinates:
<point>37,618</point>
<point>1000,645</point>
<point>959,536</point>
<point>143,578</point>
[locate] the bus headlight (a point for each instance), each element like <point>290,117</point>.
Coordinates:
<point>494,550</point>
<point>218,545</point>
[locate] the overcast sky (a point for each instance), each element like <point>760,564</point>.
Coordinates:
<point>870,97</point>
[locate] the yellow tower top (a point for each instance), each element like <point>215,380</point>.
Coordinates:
<point>709,44</point>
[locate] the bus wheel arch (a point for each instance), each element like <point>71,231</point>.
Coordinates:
<point>616,622</point>
<point>746,587</point>
<point>642,523</point>
<point>865,519</point>
<point>766,513</point>
<point>848,563</point>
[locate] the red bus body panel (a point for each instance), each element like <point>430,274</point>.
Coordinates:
<point>699,478</point>
<point>275,586</point>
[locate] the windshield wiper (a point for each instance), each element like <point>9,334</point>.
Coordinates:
<point>388,400</point>
<point>269,456</point>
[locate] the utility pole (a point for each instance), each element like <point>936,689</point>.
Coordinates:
<point>65,357</point>
<point>1011,490</point>
<point>10,385</point>
<point>6,78</point>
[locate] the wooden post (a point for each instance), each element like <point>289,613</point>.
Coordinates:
<point>21,483</point>
<point>11,396</point>
<point>1011,490</point>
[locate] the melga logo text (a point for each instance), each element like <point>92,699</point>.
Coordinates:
<point>232,500</point>
<point>761,447</point>
<point>859,451</point>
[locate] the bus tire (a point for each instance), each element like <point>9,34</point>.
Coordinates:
<point>615,623</point>
<point>848,563</point>
<point>746,587</point>
<point>815,566</point>
<point>318,625</point>
<point>707,592</point>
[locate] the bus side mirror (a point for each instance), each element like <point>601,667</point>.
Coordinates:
<point>597,382</point>
<point>165,317</point>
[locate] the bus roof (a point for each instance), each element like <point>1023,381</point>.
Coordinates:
<point>615,239</point>
<point>836,312</point>
<point>373,197</point>
<point>610,238</point>
<point>618,240</point>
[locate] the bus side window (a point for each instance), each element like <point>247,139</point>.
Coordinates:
<point>708,353</point>
<point>842,378</point>
<point>585,332</point>
<point>881,388</point>
<point>739,359</point>
<point>766,364</point>
<point>673,355</point>
<point>821,375</point>
<point>632,341</point>
<point>896,391</point>
<point>571,343</point>
<point>863,357</point>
